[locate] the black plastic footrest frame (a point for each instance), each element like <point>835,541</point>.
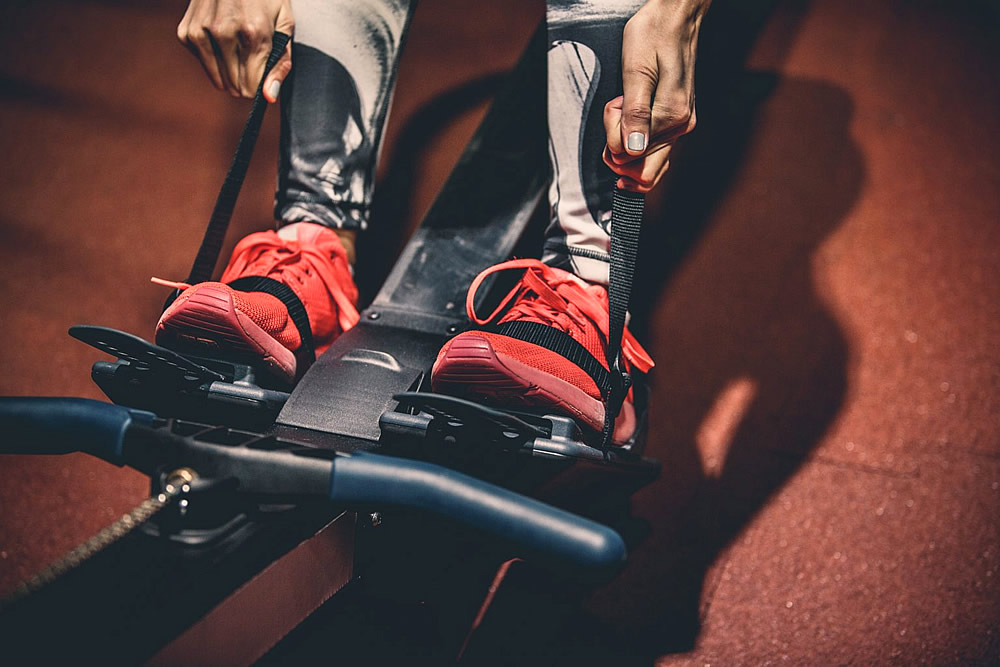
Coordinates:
<point>151,377</point>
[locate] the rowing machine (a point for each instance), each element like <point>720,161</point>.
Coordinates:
<point>266,499</point>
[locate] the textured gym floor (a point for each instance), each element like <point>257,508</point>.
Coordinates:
<point>820,288</point>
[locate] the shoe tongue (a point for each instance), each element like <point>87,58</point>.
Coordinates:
<point>307,233</point>
<point>290,232</point>
<point>562,273</point>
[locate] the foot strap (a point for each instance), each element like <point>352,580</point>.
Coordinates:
<point>283,293</point>
<point>559,342</point>
<point>215,232</point>
<point>626,219</point>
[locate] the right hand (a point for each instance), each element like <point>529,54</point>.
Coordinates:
<point>232,39</point>
<point>659,45</point>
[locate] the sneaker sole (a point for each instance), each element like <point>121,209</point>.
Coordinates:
<point>208,321</point>
<point>472,368</point>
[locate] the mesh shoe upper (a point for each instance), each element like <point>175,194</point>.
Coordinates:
<point>309,259</point>
<point>306,258</point>
<point>548,296</point>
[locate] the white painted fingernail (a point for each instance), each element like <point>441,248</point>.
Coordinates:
<point>274,89</point>
<point>636,141</point>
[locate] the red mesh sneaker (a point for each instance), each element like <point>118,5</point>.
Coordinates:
<point>501,369</point>
<point>283,298</point>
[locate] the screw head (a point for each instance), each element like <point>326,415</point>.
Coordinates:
<point>374,315</point>
<point>181,476</point>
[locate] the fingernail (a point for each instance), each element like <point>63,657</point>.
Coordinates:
<point>274,89</point>
<point>636,141</point>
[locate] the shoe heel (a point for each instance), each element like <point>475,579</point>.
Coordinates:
<point>471,366</point>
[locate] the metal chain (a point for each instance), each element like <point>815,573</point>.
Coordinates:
<point>177,485</point>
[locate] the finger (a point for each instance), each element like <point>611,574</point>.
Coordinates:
<point>222,37</point>
<point>673,114</point>
<point>254,46</point>
<point>643,169</point>
<point>618,162</point>
<point>272,87</point>
<point>644,175</point>
<point>615,150</point>
<point>626,183</point>
<point>284,23</point>
<point>639,78</point>
<point>631,169</point>
<point>644,185</point>
<point>228,56</point>
<point>612,125</point>
<point>200,45</point>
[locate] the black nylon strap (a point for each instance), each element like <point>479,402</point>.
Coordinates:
<point>215,233</point>
<point>559,342</point>
<point>626,220</point>
<point>613,381</point>
<point>291,300</point>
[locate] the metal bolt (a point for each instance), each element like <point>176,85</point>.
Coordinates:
<point>182,477</point>
<point>374,315</point>
<point>179,481</point>
<point>375,519</point>
<point>453,329</point>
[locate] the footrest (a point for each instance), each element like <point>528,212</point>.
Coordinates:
<point>143,355</point>
<point>448,420</point>
<point>151,377</point>
<point>451,419</point>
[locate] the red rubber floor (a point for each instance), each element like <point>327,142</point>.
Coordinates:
<point>821,285</point>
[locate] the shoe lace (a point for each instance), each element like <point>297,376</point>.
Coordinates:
<point>556,298</point>
<point>288,260</point>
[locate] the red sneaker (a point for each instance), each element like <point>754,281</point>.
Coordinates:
<point>283,298</point>
<point>498,368</point>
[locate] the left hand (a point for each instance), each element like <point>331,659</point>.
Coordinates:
<point>232,40</point>
<point>659,46</point>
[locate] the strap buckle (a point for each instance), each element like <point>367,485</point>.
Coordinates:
<point>619,384</point>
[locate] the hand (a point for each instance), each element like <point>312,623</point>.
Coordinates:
<point>232,39</point>
<point>658,55</point>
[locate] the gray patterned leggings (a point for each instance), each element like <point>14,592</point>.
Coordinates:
<point>336,100</point>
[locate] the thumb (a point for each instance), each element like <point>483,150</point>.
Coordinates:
<point>272,86</point>
<point>639,85</point>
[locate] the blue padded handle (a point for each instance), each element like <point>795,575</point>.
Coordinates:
<point>545,530</point>
<point>32,425</point>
